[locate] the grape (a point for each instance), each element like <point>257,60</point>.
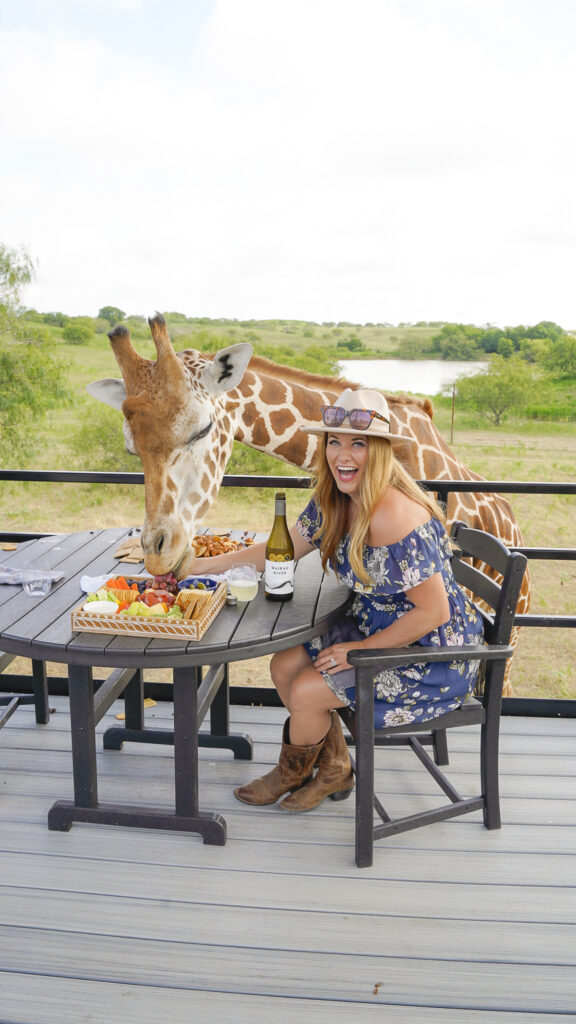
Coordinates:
<point>166,581</point>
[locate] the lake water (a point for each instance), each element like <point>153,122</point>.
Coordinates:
<point>418,376</point>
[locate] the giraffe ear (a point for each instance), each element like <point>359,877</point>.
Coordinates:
<point>227,368</point>
<point>111,391</point>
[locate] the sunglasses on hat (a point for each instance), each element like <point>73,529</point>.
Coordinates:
<point>359,419</point>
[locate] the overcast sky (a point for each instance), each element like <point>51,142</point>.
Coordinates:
<point>361,160</point>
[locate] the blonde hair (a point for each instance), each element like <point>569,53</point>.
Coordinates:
<point>383,470</point>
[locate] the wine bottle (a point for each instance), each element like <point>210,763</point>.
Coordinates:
<point>279,571</point>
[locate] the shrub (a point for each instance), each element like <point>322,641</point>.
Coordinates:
<point>77,334</point>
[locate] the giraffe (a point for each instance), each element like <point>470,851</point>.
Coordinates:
<point>183,411</point>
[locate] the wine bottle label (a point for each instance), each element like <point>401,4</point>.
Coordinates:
<point>279,576</point>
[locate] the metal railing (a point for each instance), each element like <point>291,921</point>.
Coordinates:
<point>442,488</point>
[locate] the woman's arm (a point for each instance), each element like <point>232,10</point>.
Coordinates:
<point>255,553</point>
<point>431,609</point>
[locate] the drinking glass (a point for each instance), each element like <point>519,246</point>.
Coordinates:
<point>243,582</point>
<point>38,582</point>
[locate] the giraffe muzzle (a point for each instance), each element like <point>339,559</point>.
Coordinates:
<point>165,550</point>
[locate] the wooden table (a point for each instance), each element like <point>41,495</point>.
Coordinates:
<point>40,629</point>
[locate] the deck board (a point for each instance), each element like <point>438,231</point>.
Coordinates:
<point>451,924</point>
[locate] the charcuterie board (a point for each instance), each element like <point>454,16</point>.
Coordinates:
<point>154,626</point>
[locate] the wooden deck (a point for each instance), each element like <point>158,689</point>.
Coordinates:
<point>451,924</point>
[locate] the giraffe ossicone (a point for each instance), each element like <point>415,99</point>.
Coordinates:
<point>183,411</point>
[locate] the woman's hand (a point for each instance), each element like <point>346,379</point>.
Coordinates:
<point>335,657</point>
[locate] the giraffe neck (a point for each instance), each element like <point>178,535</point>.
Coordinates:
<point>272,410</point>
<point>274,405</point>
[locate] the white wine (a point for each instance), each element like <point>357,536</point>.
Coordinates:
<point>279,572</point>
<point>243,590</point>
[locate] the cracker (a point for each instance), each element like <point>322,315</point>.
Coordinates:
<point>188,602</point>
<point>130,551</point>
<point>194,602</point>
<point>190,611</point>
<point>185,598</point>
<point>204,599</point>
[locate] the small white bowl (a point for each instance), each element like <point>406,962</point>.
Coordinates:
<point>100,607</point>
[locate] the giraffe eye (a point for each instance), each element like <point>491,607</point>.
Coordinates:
<point>200,434</point>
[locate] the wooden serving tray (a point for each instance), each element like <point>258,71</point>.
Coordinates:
<point>186,629</point>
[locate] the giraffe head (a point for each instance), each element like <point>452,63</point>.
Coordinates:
<point>179,418</point>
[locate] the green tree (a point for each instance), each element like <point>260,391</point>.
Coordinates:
<point>457,341</point>
<point>545,329</point>
<point>353,344</point>
<point>99,442</point>
<point>32,379</point>
<point>16,270</point>
<point>489,339</point>
<point>505,347</point>
<point>505,385</point>
<point>77,334</point>
<point>559,357</point>
<point>112,314</point>
<point>531,349</point>
<point>56,319</point>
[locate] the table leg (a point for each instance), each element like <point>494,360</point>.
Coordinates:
<point>185,742</point>
<point>134,730</point>
<point>219,736</point>
<point>134,702</point>
<point>185,818</point>
<point>82,726</point>
<point>40,684</point>
<point>220,708</point>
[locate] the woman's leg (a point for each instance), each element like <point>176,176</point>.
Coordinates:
<point>284,667</point>
<point>311,701</point>
<point>312,720</point>
<point>296,762</point>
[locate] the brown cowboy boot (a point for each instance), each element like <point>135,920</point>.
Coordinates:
<point>334,777</point>
<point>294,769</point>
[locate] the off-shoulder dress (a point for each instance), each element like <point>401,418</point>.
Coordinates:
<point>416,692</point>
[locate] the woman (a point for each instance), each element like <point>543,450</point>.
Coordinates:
<point>385,537</point>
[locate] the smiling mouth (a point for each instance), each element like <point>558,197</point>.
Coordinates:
<point>346,473</point>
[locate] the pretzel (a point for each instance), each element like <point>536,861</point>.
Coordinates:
<point>208,545</point>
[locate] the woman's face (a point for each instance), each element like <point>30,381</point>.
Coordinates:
<point>347,456</point>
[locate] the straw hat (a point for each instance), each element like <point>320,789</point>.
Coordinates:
<point>365,399</point>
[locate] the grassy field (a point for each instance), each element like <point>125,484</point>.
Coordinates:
<point>520,450</point>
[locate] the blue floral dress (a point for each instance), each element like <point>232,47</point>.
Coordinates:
<point>415,692</point>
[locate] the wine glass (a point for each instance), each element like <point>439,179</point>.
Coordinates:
<point>243,582</point>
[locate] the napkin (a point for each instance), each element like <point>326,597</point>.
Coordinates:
<point>15,576</point>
